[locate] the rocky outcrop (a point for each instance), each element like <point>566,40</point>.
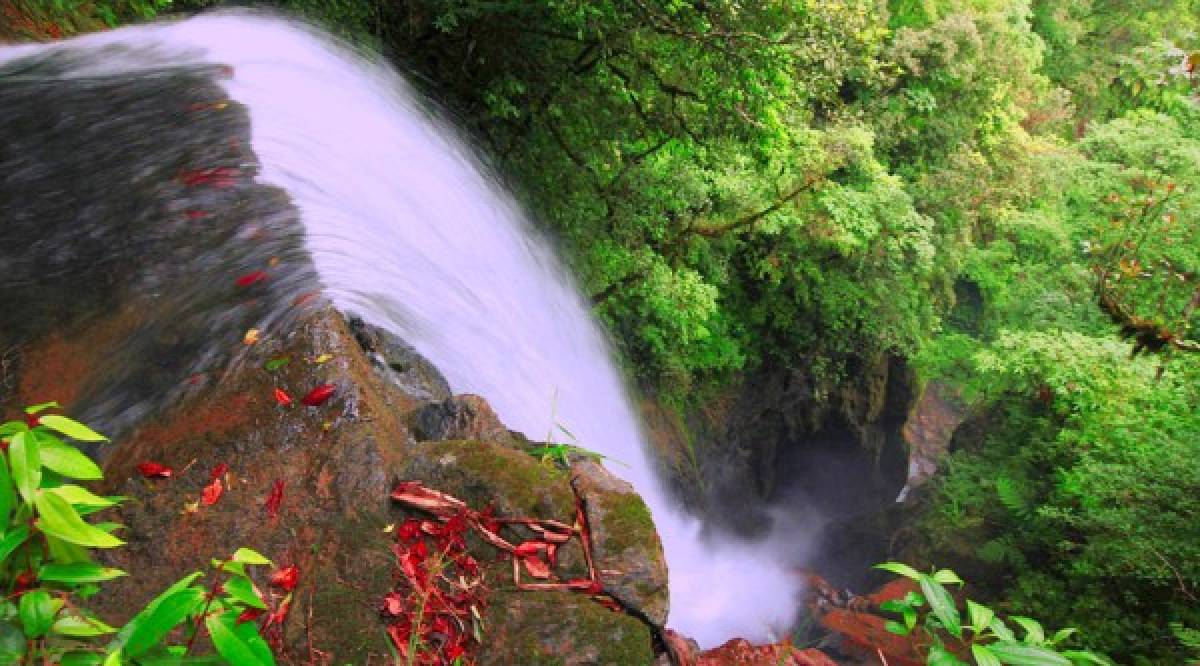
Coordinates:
<point>338,462</point>
<point>928,430</point>
<point>162,293</point>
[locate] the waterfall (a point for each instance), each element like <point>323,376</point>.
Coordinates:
<point>408,229</point>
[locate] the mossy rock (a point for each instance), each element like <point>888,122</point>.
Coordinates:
<point>561,629</point>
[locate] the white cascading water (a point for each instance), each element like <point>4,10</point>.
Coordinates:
<point>408,230</point>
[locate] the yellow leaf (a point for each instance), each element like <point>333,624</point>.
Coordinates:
<point>251,336</point>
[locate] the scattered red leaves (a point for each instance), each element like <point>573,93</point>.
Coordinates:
<point>440,588</point>
<point>274,499</point>
<point>286,578</point>
<point>153,470</point>
<point>251,278</point>
<point>282,397</point>
<point>440,585</point>
<point>319,395</point>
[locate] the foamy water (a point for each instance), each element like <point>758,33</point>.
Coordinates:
<point>408,229</point>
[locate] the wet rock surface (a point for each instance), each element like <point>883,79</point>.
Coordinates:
<point>828,456</point>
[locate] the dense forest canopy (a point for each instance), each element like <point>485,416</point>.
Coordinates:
<point>1004,193</point>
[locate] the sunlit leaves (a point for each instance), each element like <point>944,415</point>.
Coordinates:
<point>71,428</point>
<point>58,518</point>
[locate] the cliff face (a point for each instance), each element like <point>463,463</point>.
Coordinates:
<point>830,455</point>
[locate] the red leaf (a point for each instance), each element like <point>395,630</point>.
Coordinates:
<point>251,278</point>
<point>217,177</point>
<point>197,214</point>
<point>153,470</point>
<point>319,395</point>
<point>249,614</point>
<point>529,548</point>
<point>282,397</point>
<point>455,651</point>
<point>218,472</point>
<point>409,530</point>
<point>33,420</point>
<point>280,614</point>
<point>393,604</point>
<point>536,567</point>
<point>274,499</point>
<point>286,578</point>
<point>212,492</point>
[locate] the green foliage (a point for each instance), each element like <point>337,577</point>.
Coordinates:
<point>47,570</point>
<point>935,616</point>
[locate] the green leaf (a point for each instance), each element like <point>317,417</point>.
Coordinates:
<point>979,615</point>
<point>248,556</point>
<point>8,496</point>
<point>1034,634</point>
<point>78,572</point>
<point>1016,654</point>
<point>238,644</point>
<point>71,428</point>
<point>1001,630</point>
<point>78,658</point>
<point>900,569</point>
<point>1061,635</point>
<point>940,656</point>
<point>942,604</point>
<point>80,496</point>
<point>895,627</point>
<point>62,552</point>
<point>12,541</point>
<point>983,656</point>
<point>277,363</point>
<point>59,519</point>
<point>42,406</point>
<point>12,427</point>
<point>1087,657</point>
<point>12,643</point>
<point>37,610</point>
<point>75,625</point>
<point>240,588</point>
<point>26,465</point>
<point>947,577</point>
<point>69,461</point>
<point>159,617</point>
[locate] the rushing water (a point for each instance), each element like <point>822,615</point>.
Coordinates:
<point>408,230</point>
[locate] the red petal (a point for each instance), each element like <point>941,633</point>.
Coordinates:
<point>283,398</point>
<point>286,578</point>
<point>33,420</point>
<point>218,472</point>
<point>152,470</point>
<point>212,493</point>
<point>250,278</point>
<point>319,395</point>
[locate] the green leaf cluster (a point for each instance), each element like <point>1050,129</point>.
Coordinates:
<point>47,570</point>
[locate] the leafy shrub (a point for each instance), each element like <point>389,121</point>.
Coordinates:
<point>47,570</point>
<point>934,615</point>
